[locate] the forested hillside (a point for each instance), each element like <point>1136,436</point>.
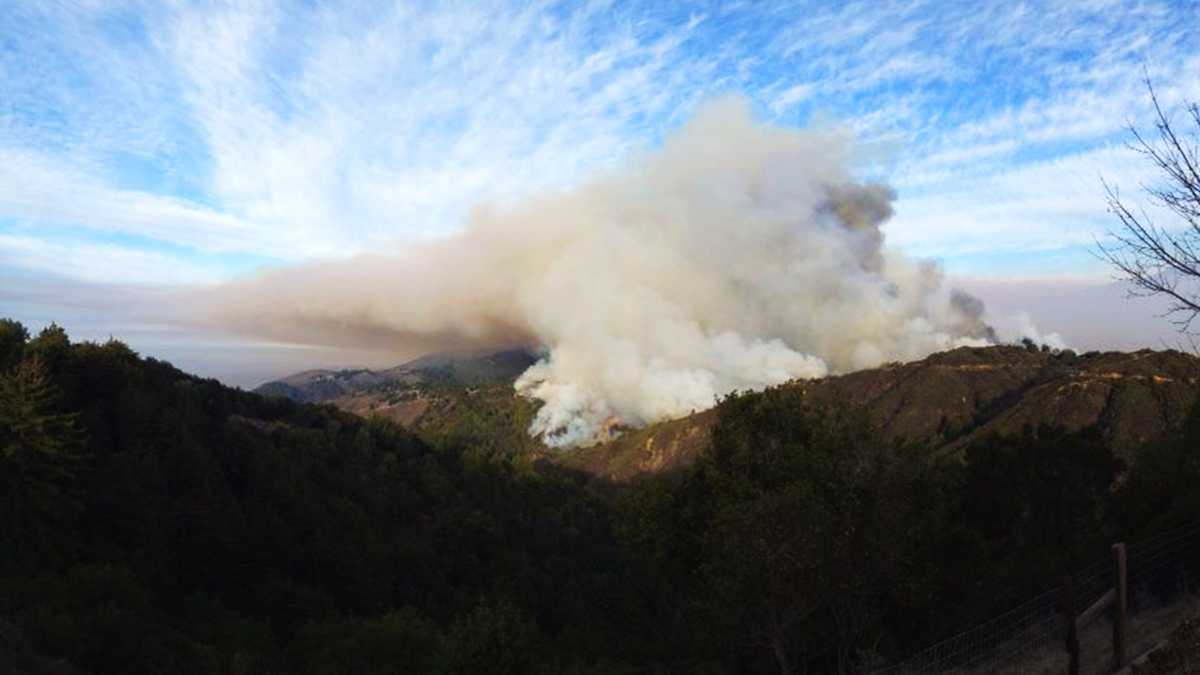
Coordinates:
<point>944,402</point>
<point>952,400</point>
<point>158,522</point>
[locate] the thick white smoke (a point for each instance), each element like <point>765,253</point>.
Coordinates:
<point>735,257</point>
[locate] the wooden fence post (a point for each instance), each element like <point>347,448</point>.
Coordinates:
<point>1070,612</point>
<point>1120,606</point>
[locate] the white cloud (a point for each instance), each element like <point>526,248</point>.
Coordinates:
<point>327,131</point>
<point>397,124</point>
<point>103,263</point>
<point>791,96</point>
<point>34,188</point>
<point>278,130</point>
<point>1037,206</point>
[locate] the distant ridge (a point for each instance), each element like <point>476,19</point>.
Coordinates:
<point>320,386</point>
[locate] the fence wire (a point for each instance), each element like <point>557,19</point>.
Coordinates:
<point>1159,570</point>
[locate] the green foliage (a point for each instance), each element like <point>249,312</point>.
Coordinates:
<point>1042,493</point>
<point>495,638</point>
<point>403,641</point>
<point>808,515</point>
<point>818,545</point>
<point>1160,490</point>
<point>157,522</point>
<point>486,423</point>
<point>38,467</point>
<point>239,515</point>
<point>29,425</point>
<point>13,337</point>
<point>51,347</point>
<point>101,618</point>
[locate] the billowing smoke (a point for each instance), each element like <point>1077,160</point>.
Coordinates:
<point>737,256</point>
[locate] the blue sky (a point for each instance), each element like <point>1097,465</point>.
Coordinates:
<point>159,144</point>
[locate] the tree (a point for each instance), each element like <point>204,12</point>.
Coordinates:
<point>1042,493</point>
<point>38,454</point>
<point>495,637</point>
<point>809,517</point>
<point>51,347</point>
<point>13,337</point>
<point>1163,260</point>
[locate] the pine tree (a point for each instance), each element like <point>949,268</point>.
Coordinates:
<point>13,337</point>
<point>39,458</point>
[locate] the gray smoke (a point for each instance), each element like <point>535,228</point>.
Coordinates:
<point>972,310</point>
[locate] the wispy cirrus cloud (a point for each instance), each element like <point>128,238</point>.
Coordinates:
<point>206,138</point>
<point>35,189</point>
<point>104,263</point>
<point>338,128</point>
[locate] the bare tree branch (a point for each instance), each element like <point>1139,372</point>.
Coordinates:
<point>1162,260</point>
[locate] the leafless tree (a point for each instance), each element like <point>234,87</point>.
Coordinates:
<point>1162,259</point>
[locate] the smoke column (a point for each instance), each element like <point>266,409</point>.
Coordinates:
<point>737,256</point>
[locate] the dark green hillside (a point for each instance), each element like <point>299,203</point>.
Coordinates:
<point>157,522</point>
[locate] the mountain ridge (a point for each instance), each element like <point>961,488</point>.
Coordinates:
<point>945,401</point>
<point>473,368</point>
<point>950,399</point>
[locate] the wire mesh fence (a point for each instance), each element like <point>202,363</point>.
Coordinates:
<point>1161,576</point>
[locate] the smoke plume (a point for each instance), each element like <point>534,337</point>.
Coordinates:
<point>737,256</point>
